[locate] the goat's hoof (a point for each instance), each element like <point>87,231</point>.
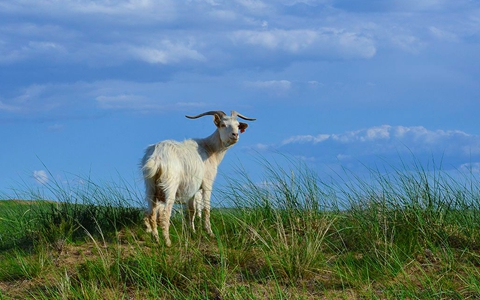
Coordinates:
<point>168,243</point>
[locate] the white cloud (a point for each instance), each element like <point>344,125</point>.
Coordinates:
<point>392,139</point>
<point>119,101</point>
<point>129,102</point>
<point>325,42</point>
<point>403,6</point>
<point>253,5</point>
<point>82,99</point>
<point>419,5</point>
<point>30,94</point>
<point>10,53</point>
<point>260,147</point>
<point>192,104</point>
<point>167,53</point>
<point>33,98</point>
<point>159,9</point>
<point>292,41</point>
<point>408,43</point>
<point>370,134</point>
<point>443,35</point>
<point>107,7</point>
<point>40,176</point>
<point>223,15</point>
<point>274,87</point>
<point>306,158</point>
<point>8,107</point>
<point>470,168</point>
<point>375,133</point>
<point>306,139</point>
<point>344,157</point>
<point>271,84</point>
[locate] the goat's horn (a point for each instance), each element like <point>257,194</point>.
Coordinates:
<point>208,113</point>
<point>237,114</point>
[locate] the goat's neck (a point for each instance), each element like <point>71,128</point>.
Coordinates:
<point>214,147</point>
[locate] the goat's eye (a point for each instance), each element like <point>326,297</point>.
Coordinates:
<point>223,125</point>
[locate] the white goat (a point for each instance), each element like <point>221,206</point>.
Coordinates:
<point>176,171</point>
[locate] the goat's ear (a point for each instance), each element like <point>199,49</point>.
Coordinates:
<point>217,119</point>
<point>242,127</point>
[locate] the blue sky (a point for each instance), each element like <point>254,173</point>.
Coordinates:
<point>85,86</point>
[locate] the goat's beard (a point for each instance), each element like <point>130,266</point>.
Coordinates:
<point>229,143</point>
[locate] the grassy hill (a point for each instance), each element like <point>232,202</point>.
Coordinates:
<point>407,235</point>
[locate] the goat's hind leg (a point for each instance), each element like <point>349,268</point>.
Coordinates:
<point>158,212</point>
<point>155,204</point>
<point>165,220</point>
<point>150,198</point>
<point>151,220</point>
<point>164,214</point>
<point>146,221</point>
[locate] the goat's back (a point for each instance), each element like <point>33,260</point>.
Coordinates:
<point>175,165</point>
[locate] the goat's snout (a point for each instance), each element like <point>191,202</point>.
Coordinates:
<point>235,135</point>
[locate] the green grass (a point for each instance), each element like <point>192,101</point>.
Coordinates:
<point>396,235</point>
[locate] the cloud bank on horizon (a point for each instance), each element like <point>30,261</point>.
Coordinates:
<point>460,150</point>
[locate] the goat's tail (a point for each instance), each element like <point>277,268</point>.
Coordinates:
<point>151,168</point>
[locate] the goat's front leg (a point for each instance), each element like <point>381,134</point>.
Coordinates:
<point>207,192</point>
<point>191,211</point>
